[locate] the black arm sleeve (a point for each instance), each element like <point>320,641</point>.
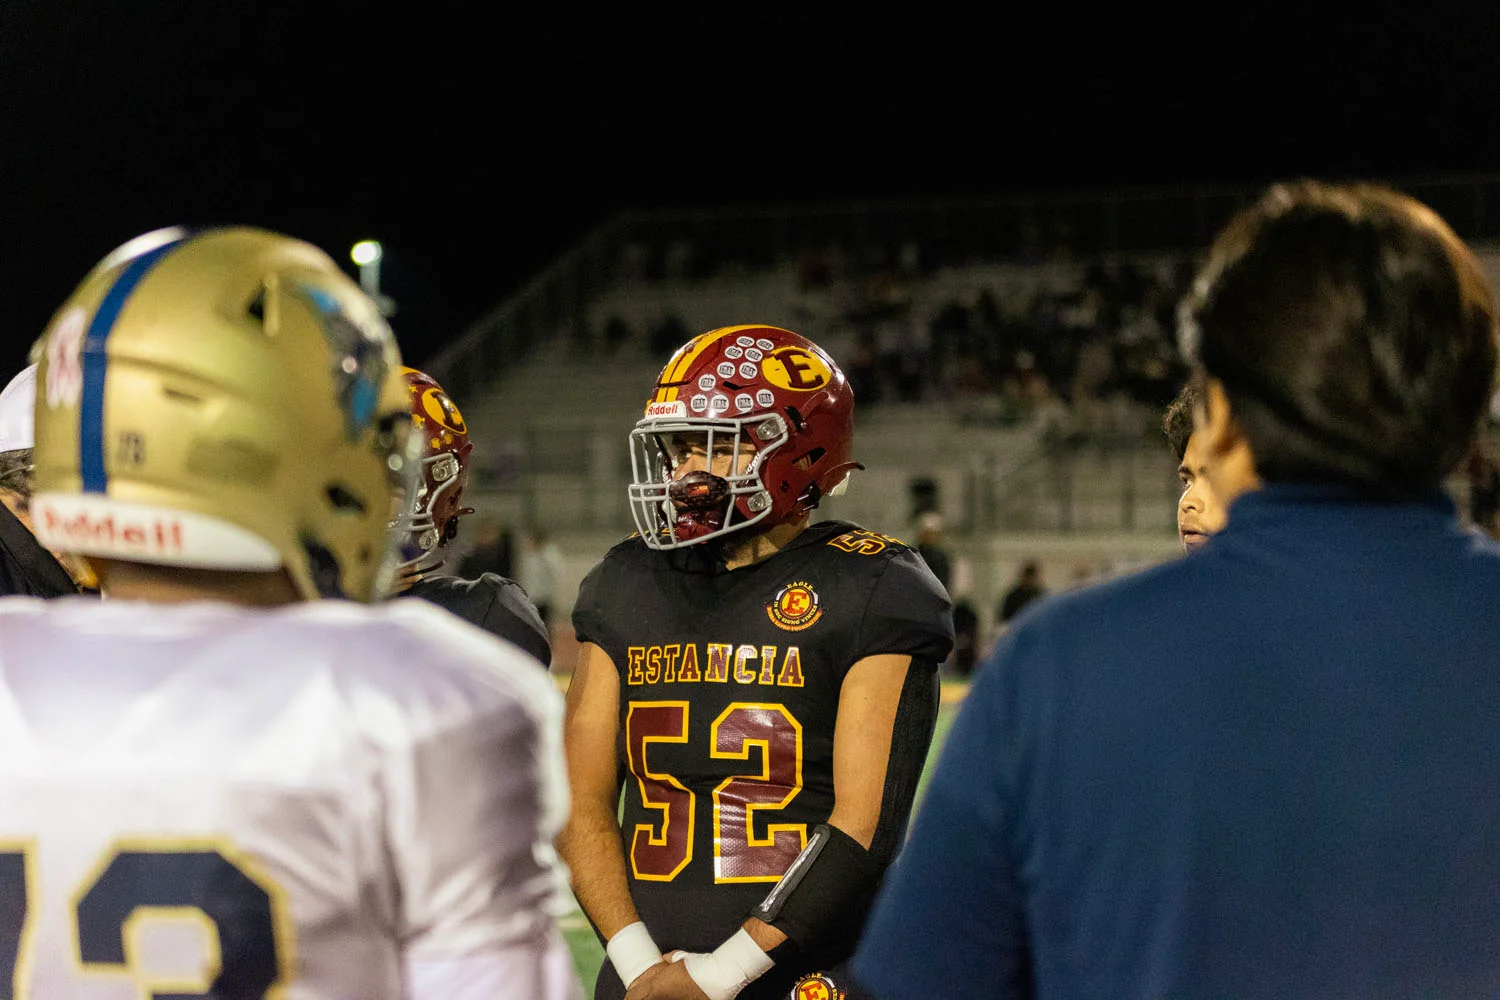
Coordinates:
<point>827,892</point>
<point>911,738</point>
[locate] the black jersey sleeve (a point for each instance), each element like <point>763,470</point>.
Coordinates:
<point>590,610</point>
<point>511,615</point>
<point>909,612</point>
<point>493,603</point>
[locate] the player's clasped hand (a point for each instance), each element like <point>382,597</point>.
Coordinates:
<point>668,980</point>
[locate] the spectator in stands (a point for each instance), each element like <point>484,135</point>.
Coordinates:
<point>1268,770</point>
<point>541,572</point>
<point>863,369</point>
<point>1028,586</point>
<point>812,269</point>
<point>667,334</point>
<point>491,553</point>
<point>616,335</point>
<point>965,638</point>
<point>930,546</point>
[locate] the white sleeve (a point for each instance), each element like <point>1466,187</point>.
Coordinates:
<point>471,814</point>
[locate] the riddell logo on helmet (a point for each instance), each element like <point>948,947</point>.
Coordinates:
<point>672,409</point>
<point>83,531</point>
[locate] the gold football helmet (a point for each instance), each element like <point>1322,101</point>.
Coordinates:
<point>226,399</point>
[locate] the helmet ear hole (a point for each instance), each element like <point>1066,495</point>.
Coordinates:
<point>256,307</point>
<point>810,459</point>
<point>342,499</point>
<point>323,567</point>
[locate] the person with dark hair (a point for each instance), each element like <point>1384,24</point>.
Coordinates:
<point>1199,514</point>
<point>1289,792</point>
<point>930,547</point>
<point>755,693</point>
<point>1027,588</point>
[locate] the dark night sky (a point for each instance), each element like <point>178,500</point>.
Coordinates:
<point>478,147</point>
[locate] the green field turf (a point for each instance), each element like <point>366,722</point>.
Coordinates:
<point>588,953</point>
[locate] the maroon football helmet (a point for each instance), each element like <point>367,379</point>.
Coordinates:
<point>759,391</point>
<point>430,520</point>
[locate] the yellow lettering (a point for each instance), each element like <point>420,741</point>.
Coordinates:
<point>718,662</point>
<point>768,664</point>
<point>633,657</point>
<point>653,664</point>
<point>791,669</point>
<point>742,673</point>
<point>670,670</point>
<point>689,673</point>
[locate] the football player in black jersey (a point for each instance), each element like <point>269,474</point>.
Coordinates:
<point>430,522</point>
<point>764,689</point>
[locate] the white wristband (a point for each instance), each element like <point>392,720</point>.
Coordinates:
<point>730,967</point>
<point>632,952</point>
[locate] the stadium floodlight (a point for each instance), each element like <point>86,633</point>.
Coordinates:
<point>366,252</point>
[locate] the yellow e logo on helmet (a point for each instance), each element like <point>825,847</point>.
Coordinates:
<point>796,369</point>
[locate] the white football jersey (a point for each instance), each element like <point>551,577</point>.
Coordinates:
<point>321,801</point>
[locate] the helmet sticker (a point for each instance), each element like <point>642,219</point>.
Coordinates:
<point>753,355</point>
<point>748,371</point>
<point>358,359</point>
<point>699,403</point>
<point>726,368</point>
<point>64,370</point>
<point>720,403</point>
<point>743,403</point>
<point>797,369</point>
<point>765,397</point>
<point>745,341</point>
<point>734,352</point>
<point>706,382</point>
<point>439,408</point>
<point>765,345</point>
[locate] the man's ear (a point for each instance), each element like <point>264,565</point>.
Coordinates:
<point>1213,418</point>
<point>1227,451</point>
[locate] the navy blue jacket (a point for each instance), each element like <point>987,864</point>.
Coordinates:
<point>1271,769</point>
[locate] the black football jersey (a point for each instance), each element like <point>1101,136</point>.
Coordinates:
<point>729,692</point>
<point>495,604</point>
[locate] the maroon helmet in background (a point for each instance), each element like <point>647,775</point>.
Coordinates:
<point>761,385</point>
<point>430,521</point>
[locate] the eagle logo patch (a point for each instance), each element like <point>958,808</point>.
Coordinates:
<point>816,987</point>
<point>796,607</point>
